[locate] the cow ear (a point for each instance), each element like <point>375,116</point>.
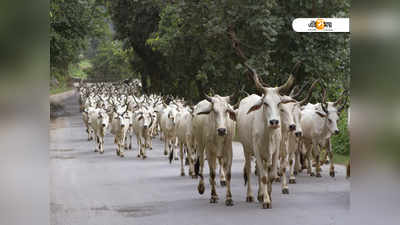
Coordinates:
<point>232,115</point>
<point>255,107</point>
<point>320,114</point>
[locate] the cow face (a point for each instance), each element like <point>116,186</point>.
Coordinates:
<point>145,119</point>
<point>172,115</point>
<point>221,110</point>
<point>296,112</point>
<point>271,103</point>
<point>287,119</point>
<point>331,118</point>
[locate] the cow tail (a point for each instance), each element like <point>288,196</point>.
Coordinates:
<point>245,176</point>
<point>197,167</point>
<point>171,156</point>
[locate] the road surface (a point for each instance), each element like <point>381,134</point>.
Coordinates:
<point>92,189</point>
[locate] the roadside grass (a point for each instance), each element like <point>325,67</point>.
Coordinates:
<point>59,90</point>
<point>340,159</point>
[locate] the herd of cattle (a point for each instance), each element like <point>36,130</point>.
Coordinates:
<point>280,131</point>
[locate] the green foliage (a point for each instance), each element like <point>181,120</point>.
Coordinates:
<point>71,23</point>
<point>110,62</point>
<point>79,70</point>
<point>341,142</point>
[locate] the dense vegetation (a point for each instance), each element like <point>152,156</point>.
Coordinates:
<point>184,48</point>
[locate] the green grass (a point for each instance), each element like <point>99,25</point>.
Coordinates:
<point>59,90</point>
<point>340,159</point>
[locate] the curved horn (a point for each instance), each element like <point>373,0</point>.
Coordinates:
<point>286,86</point>
<point>255,78</point>
<point>340,98</point>
<point>324,105</point>
<point>344,105</point>
<point>293,95</point>
<point>305,100</point>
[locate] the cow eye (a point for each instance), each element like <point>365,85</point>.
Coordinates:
<point>282,110</point>
<point>266,104</point>
<point>329,120</point>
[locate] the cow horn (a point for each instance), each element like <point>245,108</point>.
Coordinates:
<point>286,86</point>
<point>340,99</point>
<point>305,100</point>
<point>255,78</point>
<point>324,105</point>
<point>343,105</point>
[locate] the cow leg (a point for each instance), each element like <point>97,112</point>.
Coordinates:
<point>139,143</point>
<point>275,160</point>
<point>96,144</point>
<point>101,145</point>
<point>283,166</point>
<point>308,156</point>
<point>227,165</point>
<point>166,145</point>
<point>144,148</point>
<point>316,151</point>
<point>200,164</point>
<point>181,156</point>
<point>264,178</point>
<point>329,150</point>
<point>297,163</point>
<point>121,147</point>
<point>191,163</point>
<point>222,179</point>
<point>126,142</point>
<point>292,165</point>
<point>175,146</point>
<point>211,157</point>
<point>247,175</point>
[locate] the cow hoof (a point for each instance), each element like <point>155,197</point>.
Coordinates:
<point>144,157</point>
<point>122,155</point>
<point>96,150</point>
<point>194,176</point>
<point>213,200</point>
<point>318,175</point>
<point>182,174</point>
<point>165,153</point>
<point>126,148</point>
<point>266,205</point>
<point>201,188</point>
<point>223,183</point>
<point>260,198</point>
<point>138,156</point>
<point>292,181</point>
<point>176,158</point>
<point>186,162</point>
<point>249,199</point>
<point>277,179</point>
<point>102,152</point>
<point>327,162</point>
<point>332,173</point>
<point>151,148</point>
<point>255,172</point>
<point>117,153</point>
<point>229,202</point>
<point>279,174</point>
<point>312,174</point>
<point>285,191</point>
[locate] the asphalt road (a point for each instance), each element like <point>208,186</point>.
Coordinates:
<point>92,189</point>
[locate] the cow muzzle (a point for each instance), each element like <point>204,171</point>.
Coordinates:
<point>145,126</point>
<point>336,132</point>
<point>274,124</point>
<point>221,131</point>
<point>104,125</point>
<point>298,134</point>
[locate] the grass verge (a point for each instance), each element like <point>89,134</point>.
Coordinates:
<point>340,159</point>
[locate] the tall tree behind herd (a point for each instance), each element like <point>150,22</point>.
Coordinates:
<point>183,48</point>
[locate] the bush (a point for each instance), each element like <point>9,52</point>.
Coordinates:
<point>341,142</point>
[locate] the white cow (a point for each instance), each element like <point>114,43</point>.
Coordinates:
<point>319,123</point>
<point>184,132</point>
<point>168,128</point>
<point>258,125</point>
<point>143,120</point>
<point>119,128</point>
<point>213,129</point>
<point>100,124</point>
